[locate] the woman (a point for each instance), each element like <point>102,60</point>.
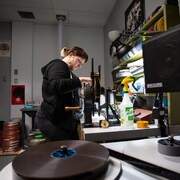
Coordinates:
<point>58,91</point>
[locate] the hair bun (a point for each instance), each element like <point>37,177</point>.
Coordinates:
<point>64,52</point>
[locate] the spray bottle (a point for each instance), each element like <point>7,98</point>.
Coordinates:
<point>126,107</point>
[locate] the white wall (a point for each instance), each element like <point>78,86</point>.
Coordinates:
<point>5,75</point>
<point>22,43</point>
<point>92,40</point>
<point>44,49</point>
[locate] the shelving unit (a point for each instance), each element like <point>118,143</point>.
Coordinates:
<point>170,14</point>
<point>131,59</point>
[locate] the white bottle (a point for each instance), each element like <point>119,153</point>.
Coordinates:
<point>126,110</point>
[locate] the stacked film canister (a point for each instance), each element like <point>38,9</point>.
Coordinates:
<point>11,137</point>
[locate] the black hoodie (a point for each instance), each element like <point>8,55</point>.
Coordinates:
<point>57,92</point>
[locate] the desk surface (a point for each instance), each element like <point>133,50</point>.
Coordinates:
<point>34,108</point>
<point>115,133</point>
<point>146,150</point>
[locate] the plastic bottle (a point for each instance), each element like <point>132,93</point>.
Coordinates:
<point>126,107</point>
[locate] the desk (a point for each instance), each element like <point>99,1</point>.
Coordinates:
<point>146,150</point>
<point>31,112</point>
<point>116,133</point>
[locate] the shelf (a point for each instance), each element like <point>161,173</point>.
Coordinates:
<point>133,58</point>
<point>119,80</point>
<point>148,24</point>
<point>138,75</point>
<point>154,19</point>
<point>166,11</point>
<point>171,18</point>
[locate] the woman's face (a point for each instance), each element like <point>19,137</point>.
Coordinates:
<point>76,62</point>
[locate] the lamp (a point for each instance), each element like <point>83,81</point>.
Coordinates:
<point>113,34</point>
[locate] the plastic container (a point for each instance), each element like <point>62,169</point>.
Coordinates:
<point>126,110</point>
<point>126,107</point>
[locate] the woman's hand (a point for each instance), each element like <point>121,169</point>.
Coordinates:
<point>86,80</point>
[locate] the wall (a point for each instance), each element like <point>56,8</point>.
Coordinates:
<point>92,40</point>
<point>5,75</point>
<point>44,49</point>
<point>22,46</point>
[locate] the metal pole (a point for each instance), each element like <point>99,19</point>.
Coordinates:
<point>60,19</point>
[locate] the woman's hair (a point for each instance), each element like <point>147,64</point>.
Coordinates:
<point>76,51</point>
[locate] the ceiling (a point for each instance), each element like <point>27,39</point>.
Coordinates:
<point>91,13</point>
